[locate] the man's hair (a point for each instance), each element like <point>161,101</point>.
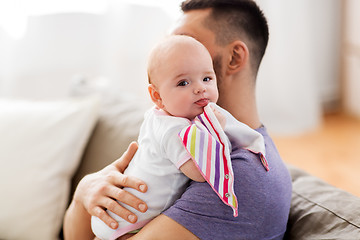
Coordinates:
<point>231,20</point>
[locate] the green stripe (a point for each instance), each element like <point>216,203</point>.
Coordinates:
<point>193,139</point>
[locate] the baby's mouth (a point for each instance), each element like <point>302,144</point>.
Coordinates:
<point>202,102</point>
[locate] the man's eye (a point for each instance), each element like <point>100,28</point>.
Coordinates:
<point>183,83</point>
<point>206,79</point>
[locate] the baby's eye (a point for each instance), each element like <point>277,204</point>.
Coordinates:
<point>206,79</point>
<point>183,83</point>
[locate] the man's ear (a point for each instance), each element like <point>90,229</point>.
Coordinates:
<point>238,57</point>
<point>155,96</point>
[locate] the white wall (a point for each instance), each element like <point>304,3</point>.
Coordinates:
<point>130,32</point>
<point>54,48</point>
<point>299,71</point>
<point>352,58</point>
<point>57,48</point>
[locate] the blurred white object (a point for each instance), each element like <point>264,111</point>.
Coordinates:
<point>82,85</point>
<point>351,58</point>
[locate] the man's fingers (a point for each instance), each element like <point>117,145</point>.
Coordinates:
<point>120,180</point>
<point>104,216</point>
<point>116,208</point>
<point>131,182</point>
<point>125,159</point>
<point>133,147</point>
<point>112,190</point>
<point>125,198</point>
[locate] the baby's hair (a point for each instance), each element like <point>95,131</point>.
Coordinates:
<point>168,43</point>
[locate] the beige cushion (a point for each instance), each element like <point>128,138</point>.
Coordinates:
<point>321,211</point>
<point>41,145</point>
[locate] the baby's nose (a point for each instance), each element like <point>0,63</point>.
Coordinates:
<point>200,89</point>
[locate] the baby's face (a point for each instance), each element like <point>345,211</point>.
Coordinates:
<point>187,82</point>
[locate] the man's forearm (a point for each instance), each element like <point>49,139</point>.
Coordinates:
<point>77,223</point>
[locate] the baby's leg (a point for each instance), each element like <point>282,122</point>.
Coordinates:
<point>100,229</point>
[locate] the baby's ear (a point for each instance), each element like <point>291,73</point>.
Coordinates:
<point>155,96</point>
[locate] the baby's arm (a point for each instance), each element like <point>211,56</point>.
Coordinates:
<point>191,171</point>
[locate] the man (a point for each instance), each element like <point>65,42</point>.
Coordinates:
<point>236,34</point>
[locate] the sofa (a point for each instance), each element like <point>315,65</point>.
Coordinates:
<point>47,147</point>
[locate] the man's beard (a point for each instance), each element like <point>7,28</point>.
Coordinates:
<point>217,68</point>
<point>217,62</point>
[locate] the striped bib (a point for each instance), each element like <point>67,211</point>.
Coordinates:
<point>209,148</point>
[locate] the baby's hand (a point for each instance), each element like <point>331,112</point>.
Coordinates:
<point>221,118</point>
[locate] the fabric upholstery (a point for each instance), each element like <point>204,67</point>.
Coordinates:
<point>321,211</point>
<point>41,144</point>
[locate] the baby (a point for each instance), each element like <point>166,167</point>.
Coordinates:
<point>184,90</point>
<point>182,82</point>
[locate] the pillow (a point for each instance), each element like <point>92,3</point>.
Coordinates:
<point>321,211</point>
<point>119,123</point>
<point>41,145</point>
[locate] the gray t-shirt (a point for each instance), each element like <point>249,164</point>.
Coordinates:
<point>263,197</point>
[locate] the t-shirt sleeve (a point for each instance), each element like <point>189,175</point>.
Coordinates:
<point>173,147</point>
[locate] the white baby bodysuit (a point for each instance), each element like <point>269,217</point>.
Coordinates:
<point>156,162</point>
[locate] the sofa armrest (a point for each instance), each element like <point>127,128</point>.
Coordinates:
<point>321,211</point>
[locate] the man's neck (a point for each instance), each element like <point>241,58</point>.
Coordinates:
<point>240,101</point>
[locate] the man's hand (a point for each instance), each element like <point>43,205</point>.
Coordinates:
<point>99,191</point>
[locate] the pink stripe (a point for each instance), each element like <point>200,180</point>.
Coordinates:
<point>226,172</point>
<point>186,135</point>
<point>212,126</point>
<point>208,158</point>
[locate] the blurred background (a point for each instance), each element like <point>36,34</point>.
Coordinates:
<point>308,86</point>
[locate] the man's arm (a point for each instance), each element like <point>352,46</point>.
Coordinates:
<point>164,228</point>
<point>77,222</point>
<point>99,191</point>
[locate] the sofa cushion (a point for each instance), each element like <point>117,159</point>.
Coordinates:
<point>41,145</point>
<point>118,124</point>
<point>321,211</point>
